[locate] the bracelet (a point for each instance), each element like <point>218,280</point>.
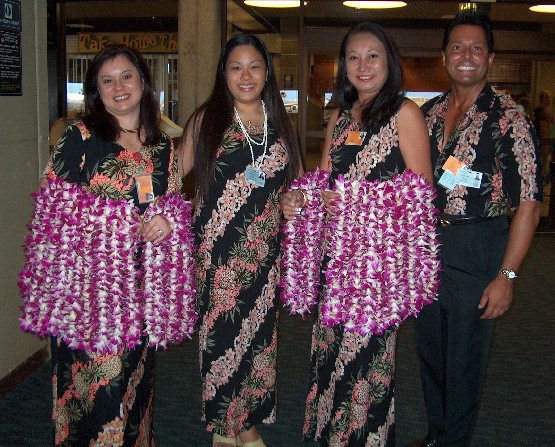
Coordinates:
<point>304,197</point>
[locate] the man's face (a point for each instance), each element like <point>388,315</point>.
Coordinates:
<point>466,57</point>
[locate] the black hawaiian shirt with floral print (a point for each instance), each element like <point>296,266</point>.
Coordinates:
<point>495,138</point>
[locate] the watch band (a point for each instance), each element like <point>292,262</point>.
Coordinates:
<point>509,274</point>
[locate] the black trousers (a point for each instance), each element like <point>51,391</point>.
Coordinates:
<point>452,342</point>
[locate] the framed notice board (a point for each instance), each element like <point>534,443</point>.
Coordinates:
<point>10,48</point>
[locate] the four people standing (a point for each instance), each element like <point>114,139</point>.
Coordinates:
<point>486,164</point>
<point>244,152</point>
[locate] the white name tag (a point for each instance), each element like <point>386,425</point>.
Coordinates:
<point>448,180</point>
<point>255,176</point>
<point>471,179</point>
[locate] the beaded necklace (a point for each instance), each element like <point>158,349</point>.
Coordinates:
<point>251,140</point>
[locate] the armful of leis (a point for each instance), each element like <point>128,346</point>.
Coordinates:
<point>81,250</point>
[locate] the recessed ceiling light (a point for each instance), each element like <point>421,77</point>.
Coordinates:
<point>374,4</point>
<point>274,3</point>
<point>543,8</point>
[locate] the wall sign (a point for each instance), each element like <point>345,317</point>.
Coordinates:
<point>10,15</point>
<point>10,48</point>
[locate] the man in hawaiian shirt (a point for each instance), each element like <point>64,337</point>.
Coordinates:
<point>486,164</point>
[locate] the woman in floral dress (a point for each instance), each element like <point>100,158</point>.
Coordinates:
<point>244,152</point>
<point>374,133</point>
<point>105,399</point>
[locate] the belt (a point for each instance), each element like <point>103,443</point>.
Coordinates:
<point>446,221</point>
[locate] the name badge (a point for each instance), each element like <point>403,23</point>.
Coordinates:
<point>448,180</point>
<point>145,191</point>
<point>355,138</point>
<point>471,179</point>
<point>453,165</point>
<point>255,176</point>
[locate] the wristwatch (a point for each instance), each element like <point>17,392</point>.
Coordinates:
<point>510,274</point>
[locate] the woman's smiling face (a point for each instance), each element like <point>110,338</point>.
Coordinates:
<point>120,86</point>
<point>246,73</point>
<point>366,61</point>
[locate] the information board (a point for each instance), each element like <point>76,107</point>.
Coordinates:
<point>10,48</point>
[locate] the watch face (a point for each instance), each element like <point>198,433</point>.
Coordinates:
<point>510,274</point>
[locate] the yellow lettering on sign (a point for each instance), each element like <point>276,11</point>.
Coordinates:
<point>154,42</point>
<point>93,43</point>
<point>139,42</point>
<point>169,42</point>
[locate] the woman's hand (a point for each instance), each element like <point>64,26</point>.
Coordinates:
<point>156,229</point>
<point>292,203</point>
<point>329,199</point>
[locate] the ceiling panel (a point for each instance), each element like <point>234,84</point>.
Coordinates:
<point>511,12</point>
<point>150,15</point>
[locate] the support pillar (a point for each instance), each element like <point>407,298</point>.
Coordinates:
<point>200,37</point>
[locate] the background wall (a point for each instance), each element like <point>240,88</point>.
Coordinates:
<point>23,148</point>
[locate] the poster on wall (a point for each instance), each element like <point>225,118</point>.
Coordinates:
<point>10,48</point>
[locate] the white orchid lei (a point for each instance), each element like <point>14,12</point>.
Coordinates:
<point>383,251</point>
<point>81,281</point>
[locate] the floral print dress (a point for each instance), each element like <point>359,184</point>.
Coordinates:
<point>106,400</point>
<point>350,400</point>
<point>238,237</point>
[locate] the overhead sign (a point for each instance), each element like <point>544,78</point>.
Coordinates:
<point>10,15</point>
<point>143,42</point>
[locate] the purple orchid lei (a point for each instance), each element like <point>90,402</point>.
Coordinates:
<point>80,280</point>
<point>302,246</point>
<point>383,251</point>
<point>169,279</point>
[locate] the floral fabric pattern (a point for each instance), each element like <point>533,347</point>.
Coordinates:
<point>106,400</point>
<point>369,162</point>
<point>108,169</point>
<point>492,129</point>
<point>84,381</point>
<point>350,401</point>
<point>238,238</point>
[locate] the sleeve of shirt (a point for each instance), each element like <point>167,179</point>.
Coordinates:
<point>174,179</point>
<point>68,156</point>
<point>520,161</point>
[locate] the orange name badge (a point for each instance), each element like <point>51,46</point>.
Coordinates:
<point>452,165</point>
<point>355,138</point>
<point>145,190</point>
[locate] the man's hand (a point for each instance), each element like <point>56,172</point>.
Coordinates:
<point>497,297</point>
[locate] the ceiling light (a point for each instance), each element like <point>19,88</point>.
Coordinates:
<point>78,25</point>
<point>374,4</point>
<point>543,8</point>
<point>274,3</point>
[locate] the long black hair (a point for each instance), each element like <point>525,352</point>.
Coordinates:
<point>102,122</point>
<point>210,121</point>
<point>389,99</point>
